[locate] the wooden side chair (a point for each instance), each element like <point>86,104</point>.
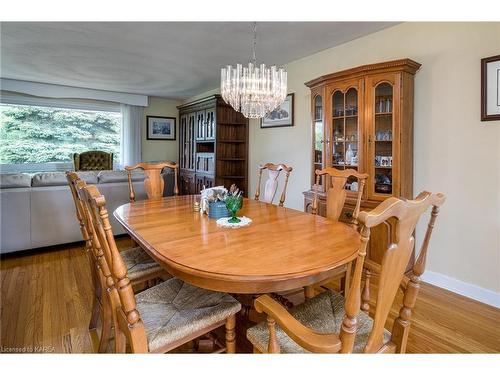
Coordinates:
<point>336,194</point>
<point>153,183</point>
<point>329,324</point>
<point>165,316</point>
<point>73,180</point>
<point>335,201</point>
<point>140,266</point>
<point>271,185</point>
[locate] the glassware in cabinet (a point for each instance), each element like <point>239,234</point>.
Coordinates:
<point>382,137</point>
<point>345,132</point>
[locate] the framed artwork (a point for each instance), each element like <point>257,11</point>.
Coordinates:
<point>490,88</point>
<point>160,128</point>
<point>281,116</point>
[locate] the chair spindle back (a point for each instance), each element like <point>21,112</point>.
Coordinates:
<point>127,317</point>
<point>271,185</point>
<point>336,194</point>
<point>153,183</point>
<point>391,271</point>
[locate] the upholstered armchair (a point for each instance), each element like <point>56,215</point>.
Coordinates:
<point>93,161</point>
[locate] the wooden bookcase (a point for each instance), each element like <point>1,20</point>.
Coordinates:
<point>362,118</point>
<point>213,146</point>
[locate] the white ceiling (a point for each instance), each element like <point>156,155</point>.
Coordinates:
<point>170,59</point>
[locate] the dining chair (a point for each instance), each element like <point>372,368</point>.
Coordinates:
<point>335,200</point>
<point>336,193</point>
<point>328,323</point>
<point>97,285</point>
<point>271,184</point>
<point>140,266</point>
<point>164,316</point>
<point>153,183</point>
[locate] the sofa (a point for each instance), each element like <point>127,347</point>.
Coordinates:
<point>37,210</point>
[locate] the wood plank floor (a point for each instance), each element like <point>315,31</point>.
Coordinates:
<point>46,298</point>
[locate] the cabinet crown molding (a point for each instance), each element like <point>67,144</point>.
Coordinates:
<point>406,65</point>
<point>207,101</point>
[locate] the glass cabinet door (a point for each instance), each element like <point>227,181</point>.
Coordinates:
<point>345,135</point>
<point>183,139</point>
<point>345,130</point>
<point>318,134</point>
<point>338,146</point>
<point>383,136</point>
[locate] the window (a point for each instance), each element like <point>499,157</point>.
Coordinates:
<point>34,137</point>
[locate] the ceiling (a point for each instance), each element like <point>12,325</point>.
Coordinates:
<point>169,59</point>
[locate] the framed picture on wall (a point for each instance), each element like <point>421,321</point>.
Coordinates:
<point>160,128</point>
<point>281,116</point>
<point>490,88</point>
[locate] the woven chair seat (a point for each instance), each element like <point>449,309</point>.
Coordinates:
<point>324,314</point>
<point>174,310</point>
<point>139,264</point>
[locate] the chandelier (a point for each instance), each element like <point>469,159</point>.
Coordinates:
<point>254,90</point>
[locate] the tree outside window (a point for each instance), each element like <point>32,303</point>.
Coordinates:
<point>37,134</point>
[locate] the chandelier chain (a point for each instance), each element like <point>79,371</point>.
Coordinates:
<point>254,47</point>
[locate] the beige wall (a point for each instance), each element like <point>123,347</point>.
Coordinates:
<point>454,153</point>
<point>160,150</point>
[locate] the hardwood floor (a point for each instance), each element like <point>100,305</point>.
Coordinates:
<point>46,299</point>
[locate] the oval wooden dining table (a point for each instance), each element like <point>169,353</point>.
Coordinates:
<point>282,249</point>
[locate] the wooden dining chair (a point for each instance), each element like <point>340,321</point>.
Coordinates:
<point>328,323</point>
<point>336,193</point>
<point>335,200</point>
<point>73,179</point>
<point>153,183</point>
<point>165,316</point>
<point>271,184</point>
<point>140,266</point>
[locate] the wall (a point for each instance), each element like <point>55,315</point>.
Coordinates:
<point>454,153</point>
<point>154,150</point>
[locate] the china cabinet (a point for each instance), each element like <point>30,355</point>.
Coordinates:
<point>362,118</point>
<point>213,146</point>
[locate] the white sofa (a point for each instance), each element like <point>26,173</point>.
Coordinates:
<point>38,210</point>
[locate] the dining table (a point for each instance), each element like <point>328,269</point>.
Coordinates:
<point>280,250</point>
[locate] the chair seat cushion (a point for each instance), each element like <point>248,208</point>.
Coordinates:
<point>139,264</point>
<point>324,314</point>
<point>174,310</point>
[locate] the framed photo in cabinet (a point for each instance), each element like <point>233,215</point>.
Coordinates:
<point>281,116</point>
<point>160,128</point>
<point>490,88</point>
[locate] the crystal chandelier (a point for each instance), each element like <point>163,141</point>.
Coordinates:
<point>253,91</point>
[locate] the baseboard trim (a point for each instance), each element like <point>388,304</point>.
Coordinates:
<point>475,292</point>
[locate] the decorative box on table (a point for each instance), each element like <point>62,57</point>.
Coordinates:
<point>217,210</point>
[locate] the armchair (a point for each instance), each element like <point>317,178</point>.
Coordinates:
<point>93,161</point>
<point>327,323</point>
